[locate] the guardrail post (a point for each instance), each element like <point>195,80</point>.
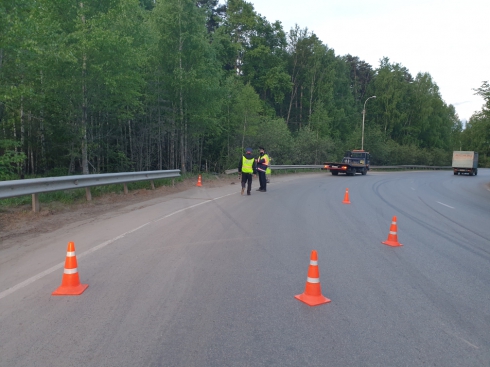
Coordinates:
<point>125,188</point>
<point>152,185</point>
<point>173,182</point>
<point>88,194</point>
<point>35,203</point>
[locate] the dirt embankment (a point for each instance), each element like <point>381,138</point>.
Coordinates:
<point>17,222</point>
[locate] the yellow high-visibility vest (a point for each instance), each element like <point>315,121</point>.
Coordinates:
<point>268,170</point>
<point>247,165</point>
<point>266,163</point>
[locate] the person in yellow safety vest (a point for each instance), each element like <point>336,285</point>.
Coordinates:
<point>246,167</point>
<point>268,170</point>
<point>262,165</point>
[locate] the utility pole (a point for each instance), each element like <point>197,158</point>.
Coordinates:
<point>363,117</point>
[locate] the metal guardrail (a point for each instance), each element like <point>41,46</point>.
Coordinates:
<point>315,166</point>
<point>312,166</point>
<point>36,186</point>
<point>303,166</point>
<point>411,166</point>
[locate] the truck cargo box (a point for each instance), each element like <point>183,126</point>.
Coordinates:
<point>465,162</point>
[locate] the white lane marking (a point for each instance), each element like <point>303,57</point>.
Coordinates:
<point>412,188</point>
<point>445,329</point>
<point>445,205</point>
<point>31,280</point>
<point>467,342</point>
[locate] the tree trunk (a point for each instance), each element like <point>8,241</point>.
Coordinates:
<point>228,131</point>
<point>312,87</point>
<point>30,150</point>
<point>172,143</point>
<point>200,143</point>
<point>293,94</point>
<point>160,149</point>
<point>160,137</point>
<point>42,160</point>
<point>22,137</point>
<point>296,107</point>
<point>181,102</point>
<point>301,108</point>
<point>244,128</point>
<point>130,133</point>
<point>84,110</point>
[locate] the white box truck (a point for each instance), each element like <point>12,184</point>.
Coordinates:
<point>465,162</point>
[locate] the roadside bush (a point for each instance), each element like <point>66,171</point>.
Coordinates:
<point>9,159</point>
<point>310,148</point>
<point>276,138</point>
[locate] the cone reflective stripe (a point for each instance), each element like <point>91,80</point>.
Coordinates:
<point>70,283</point>
<point>346,197</point>
<point>199,182</point>
<point>392,235</point>
<point>312,295</point>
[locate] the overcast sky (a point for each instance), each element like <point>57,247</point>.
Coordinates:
<point>448,39</point>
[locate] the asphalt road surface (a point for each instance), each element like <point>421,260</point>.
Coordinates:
<point>207,277</point>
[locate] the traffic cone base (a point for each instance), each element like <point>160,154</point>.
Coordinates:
<point>392,243</point>
<point>70,291</point>
<point>312,300</point>
<point>346,197</point>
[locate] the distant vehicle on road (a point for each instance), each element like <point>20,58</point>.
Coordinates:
<point>465,162</point>
<point>354,161</point>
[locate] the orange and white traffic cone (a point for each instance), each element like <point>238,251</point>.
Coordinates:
<point>392,236</point>
<point>312,295</point>
<point>199,181</point>
<point>70,283</point>
<point>346,197</point>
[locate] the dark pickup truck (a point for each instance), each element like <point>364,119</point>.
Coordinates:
<point>354,161</point>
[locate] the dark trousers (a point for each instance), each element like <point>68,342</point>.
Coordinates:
<point>247,177</point>
<point>262,180</point>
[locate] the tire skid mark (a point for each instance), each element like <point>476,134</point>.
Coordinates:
<point>473,249</point>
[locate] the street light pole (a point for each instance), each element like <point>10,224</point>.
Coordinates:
<point>363,117</point>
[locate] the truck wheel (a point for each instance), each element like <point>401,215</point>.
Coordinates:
<point>455,173</point>
<point>476,171</point>
<point>364,171</point>
<point>471,173</point>
<point>334,173</point>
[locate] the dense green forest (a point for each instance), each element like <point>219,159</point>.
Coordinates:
<point>120,85</point>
